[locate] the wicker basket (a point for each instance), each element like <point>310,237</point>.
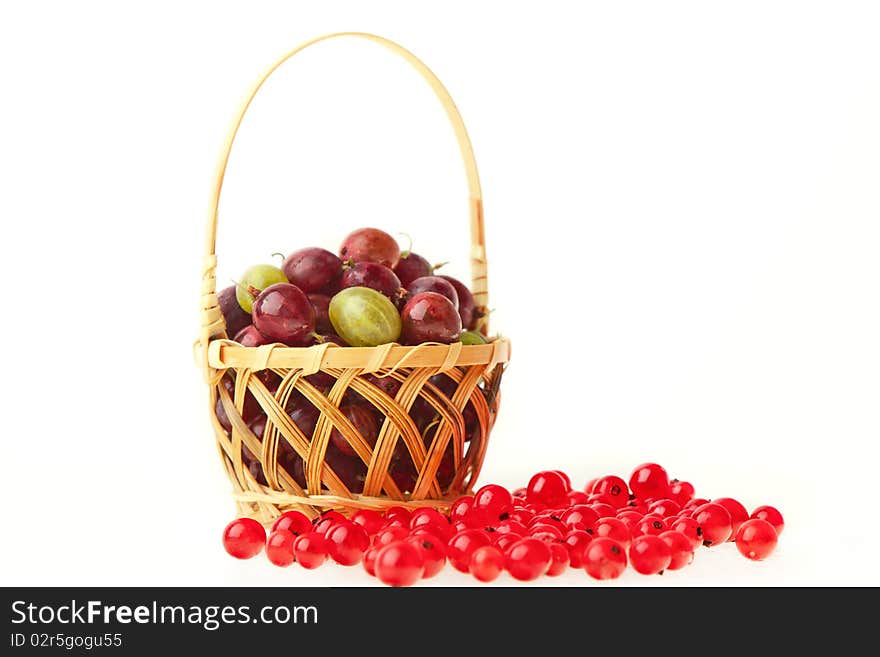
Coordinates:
<point>474,374</point>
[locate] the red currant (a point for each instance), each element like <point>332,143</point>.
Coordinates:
<point>523,516</point>
<point>714,520</point>
<point>738,514</point>
<point>664,508</point>
<point>329,515</point>
<point>244,538</point>
<point>494,501</point>
<point>346,543</point>
<point>612,528</point>
<point>756,539</point>
<point>433,552</point>
<point>487,562</point>
<point>324,524</point>
<point>629,518</point>
<point>547,488</point>
<point>604,558</point>
<point>504,541</point>
<point>771,515</point>
<point>459,509</point>
<point>528,559</point>
<point>599,498</point>
<point>614,488</point>
<point>690,529</point>
<point>579,517</point>
<point>370,560</point>
<point>681,491</point>
<point>370,520</point>
<point>680,547</point>
<point>588,487</point>
<point>394,512</point>
<point>310,550</point>
<point>649,480</point>
<point>462,545</point>
<point>433,520</point>
<point>512,527</point>
<point>558,559</point>
<point>576,497</point>
<point>279,547</point>
<point>389,535</point>
<point>649,555</point>
<point>399,564</point>
<point>546,532</point>
<point>565,478</point>
<point>693,503</point>
<point>519,493</point>
<point>651,524</point>
<point>604,510</point>
<point>576,541</point>
<point>295,522</point>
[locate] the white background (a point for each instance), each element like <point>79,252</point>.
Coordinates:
<point>683,225</point>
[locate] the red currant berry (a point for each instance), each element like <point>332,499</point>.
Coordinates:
<point>604,558</point>
<point>756,539</point>
<point>576,497</point>
<point>389,535</point>
<point>495,502</point>
<point>310,550</point>
<point>690,529</point>
<point>393,512</point>
<point>329,515</point>
<point>565,478</point>
<point>460,508</point>
<point>369,520</point>
<point>279,547</point>
<point>293,521</point>
<point>519,493</point>
<point>433,551</point>
<point>681,491</point>
<point>637,505</point>
<point>324,524</point>
<point>612,528</point>
<point>462,545</point>
<point>604,510</point>
<point>546,531</point>
<point>547,488</point>
<point>649,480</point>
<point>629,517</point>
<point>399,564</point>
<point>680,547</point>
<point>693,503</point>
<point>599,498</point>
<point>512,527</point>
<point>714,520</point>
<point>651,524</point>
<point>487,562</point>
<point>614,488</point>
<point>579,517</point>
<point>433,520</point>
<point>528,559</point>
<point>665,508</point>
<point>504,541</point>
<point>649,555</point>
<point>535,507</point>
<point>370,560</point>
<point>244,538</point>
<point>588,487</point>
<point>346,543</point>
<point>576,541</point>
<point>771,515</point>
<point>738,514</point>
<point>522,516</point>
<point>558,559</point>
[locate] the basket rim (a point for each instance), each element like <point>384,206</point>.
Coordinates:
<point>226,354</point>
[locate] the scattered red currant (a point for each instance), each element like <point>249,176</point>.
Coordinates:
<point>680,547</point>
<point>279,547</point>
<point>295,522</point>
<point>604,558</point>
<point>528,559</point>
<point>738,514</point>
<point>649,481</point>
<point>310,550</point>
<point>487,562</point>
<point>244,538</point>
<point>548,488</point>
<point>756,539</point>
<point>399,564</point>
<point>649,555</point>
<point>714,521</point>
<point>771,515</point>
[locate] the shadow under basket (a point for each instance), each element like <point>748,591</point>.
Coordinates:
<point>330,427</point>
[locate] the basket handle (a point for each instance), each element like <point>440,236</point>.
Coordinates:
<point>213,324</point>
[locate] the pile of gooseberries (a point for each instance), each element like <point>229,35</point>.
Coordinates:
<point>650,523</point>
<point>368,295</point>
